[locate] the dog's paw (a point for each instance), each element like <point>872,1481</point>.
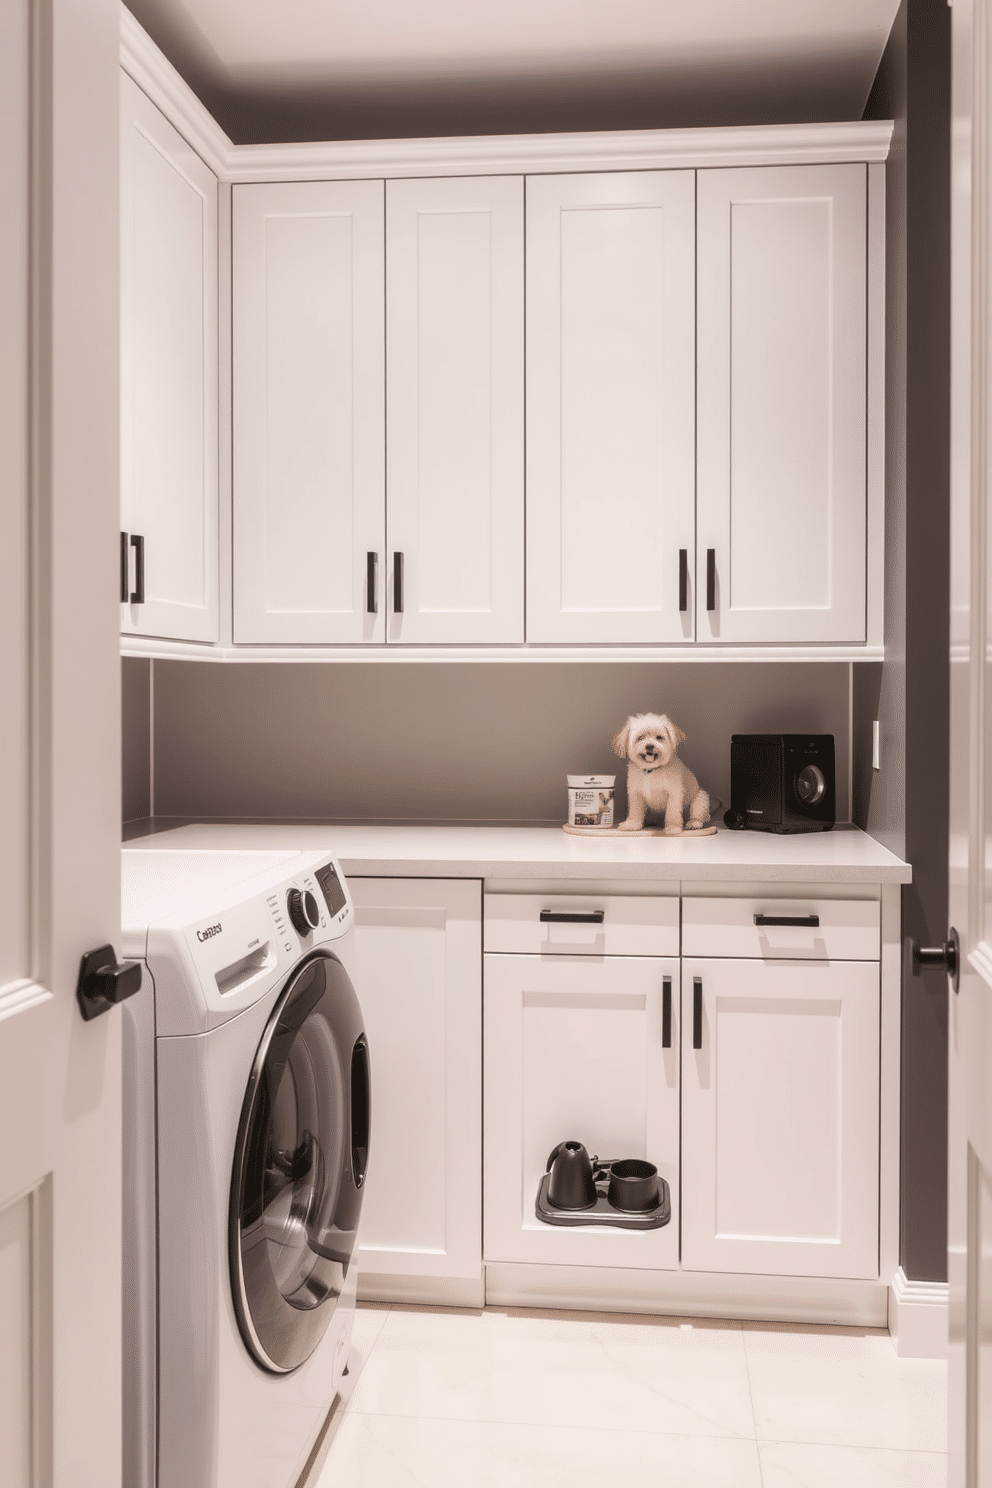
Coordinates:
<point>630,825</point>
<point>673,831</point>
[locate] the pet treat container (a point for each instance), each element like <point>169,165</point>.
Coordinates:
<point>590,800</point>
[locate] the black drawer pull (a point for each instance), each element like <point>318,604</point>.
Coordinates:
<point>808,922</point>
<point>697,1012</point>
<point>372,583</point>
<point>683,580</point>
<point>666,1013</point>
<point>397,583</point>
<point>138,593</point>
<point>572,917</point>
<point>711,578</point>
<point>125,557</point>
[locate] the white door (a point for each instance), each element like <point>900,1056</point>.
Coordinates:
<point>168,378</point>
<point>60,1116</point>
<point>610,407</point>
<point>419,974</point>
<point>578,1048</point>
<point>780,1116</point>
<point>455,410</point>
<point>308,366</point>
<point>969,1157</point>
<point>781,433</point>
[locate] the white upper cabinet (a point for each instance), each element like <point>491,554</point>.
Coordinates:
<point>308,366</point>
<point>781,404</point>
<point>455,414</point>
<point>610,407</point>
<point>168,378</point>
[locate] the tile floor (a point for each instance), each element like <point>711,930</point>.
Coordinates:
<point>459,1399</point>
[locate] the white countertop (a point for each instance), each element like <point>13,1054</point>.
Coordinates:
<point>845,855</point>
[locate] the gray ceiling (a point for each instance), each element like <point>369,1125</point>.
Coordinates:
<point>368,69</point>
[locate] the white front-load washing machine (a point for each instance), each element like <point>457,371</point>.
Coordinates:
<point>247,1112</point>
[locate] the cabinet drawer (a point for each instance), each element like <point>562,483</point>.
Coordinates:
<point>844,929</point>
<point>609,924</point>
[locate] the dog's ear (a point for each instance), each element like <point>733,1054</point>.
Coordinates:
<point>675,733</point>
<point>621,740</point>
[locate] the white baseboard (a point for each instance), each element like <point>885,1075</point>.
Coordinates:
<point>687,1294</point>
<point>423,1291</point>
<point>918,1317</point>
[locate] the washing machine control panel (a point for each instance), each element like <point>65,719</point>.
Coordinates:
<point>236,950</point>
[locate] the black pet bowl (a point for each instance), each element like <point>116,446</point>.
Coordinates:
<point>633,1185</point>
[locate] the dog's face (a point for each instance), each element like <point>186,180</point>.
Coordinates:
<point>648,740</point>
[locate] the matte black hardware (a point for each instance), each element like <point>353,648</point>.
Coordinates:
<point>125,554</point>
<point>105,981</point>
<point>946,956</point>
<point>666,1013</point>
<point>372,583</point>
<point>711,578</point>
<point>697,1012</point>
<point>567,917</point>
<point>398,583</point>
<point>683,579</point>
<point>138,592</point>
<point>809,922</point>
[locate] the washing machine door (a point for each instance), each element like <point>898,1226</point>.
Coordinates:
<point>299,1166</point>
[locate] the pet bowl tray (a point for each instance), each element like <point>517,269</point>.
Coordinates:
<point>603,1212</point>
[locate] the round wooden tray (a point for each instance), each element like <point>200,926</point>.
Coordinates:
<point>709,831</point>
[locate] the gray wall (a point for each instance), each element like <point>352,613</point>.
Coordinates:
<point>442,742</point>
<point>909,803</point>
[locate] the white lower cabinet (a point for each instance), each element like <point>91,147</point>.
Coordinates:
<point>574,1050</point>
<point>780,1116</point>
<point>418,973</point>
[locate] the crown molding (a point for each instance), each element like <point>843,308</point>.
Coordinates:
<point>155,75</point>
<point>535,154</point>
<point>479,155</point>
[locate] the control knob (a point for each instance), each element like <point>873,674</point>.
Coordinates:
<point>303,910</point>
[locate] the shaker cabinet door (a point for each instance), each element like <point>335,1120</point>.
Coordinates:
<point>781,404</point>
<point>780,1117</point>
<point>308,364</point>
<point>418,954</point>
<point>576,1050</point>
<point>610,407</point>
<point>455,410</point>
<point>168,378</point>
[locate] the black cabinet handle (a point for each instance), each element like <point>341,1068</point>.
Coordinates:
<point>103,981</point>
<point>569,917</point>
<point>810,922</point>
<point>666,1013</point>
<point>125,555</point>
<point>697,1012</point>
<point>372,583</point>
<point>711,578</point>
<point>683,579</point>
<point>138,593</point>
<point>398,583</point>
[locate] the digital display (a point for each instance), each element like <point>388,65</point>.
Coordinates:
<point>330,886</point>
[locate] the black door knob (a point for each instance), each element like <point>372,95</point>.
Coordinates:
<point>946,956</point>
<point>303,910</point>
<point>104,981</point>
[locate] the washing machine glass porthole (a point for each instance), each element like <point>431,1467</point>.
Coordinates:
<point>294,1200</point>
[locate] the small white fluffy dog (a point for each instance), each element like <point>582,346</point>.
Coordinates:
<point>656,778</point>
